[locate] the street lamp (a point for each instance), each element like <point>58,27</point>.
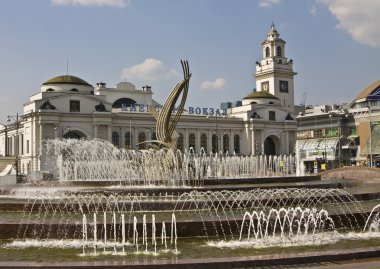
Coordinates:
<point>216,116</point>
<point>16,120</point>
<point>370,132</point>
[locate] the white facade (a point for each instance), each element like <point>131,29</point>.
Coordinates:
<point>69,107</point>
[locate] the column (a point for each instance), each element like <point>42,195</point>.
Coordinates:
<point>287,151</point>
<point>198,141</point>
<point>231,148</point>
<point>220,140</point>
<point>96,131</point>
<point>41,137</point>
<point>186,139</point>
<point>56,128</point>
<point>262,141</point>
<point>109,130</point>
<point>122,137</point>
<point>135,139</point>
<point>209,142</point>
<point>253,142</point>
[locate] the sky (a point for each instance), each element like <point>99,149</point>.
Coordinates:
<point>334,44</point>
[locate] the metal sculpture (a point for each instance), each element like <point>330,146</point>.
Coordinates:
<point>166,121</point>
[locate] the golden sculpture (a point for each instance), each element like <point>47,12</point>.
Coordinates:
<point>166,122</point>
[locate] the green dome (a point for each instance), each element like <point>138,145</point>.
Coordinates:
<point>261,94</point>
<point>67,79</point>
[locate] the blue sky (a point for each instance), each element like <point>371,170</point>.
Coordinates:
<point>335,45</point>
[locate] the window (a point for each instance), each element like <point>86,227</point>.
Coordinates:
<point>237,144</point>
<point>279,51</point>
<point>50,90</point>
<point>142,138</point>
<point>331,132</point>
<point>284,86</point>
<point>267,52</point>
<point>204,142</point>
<point>318,133</point>
<point>74,106</point>
<point>192,141</point>
<point>352,131</point>
<point>180,142</point>
<point>74,90</point>
<point>272,115</point>
<point>115,139</point>
<point>21,143</point>
<point>226,143</point>
<point>128,140</point>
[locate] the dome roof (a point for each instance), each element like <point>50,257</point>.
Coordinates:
<point>368,91</point>
<point>67,79</point>
<point>260,94</point>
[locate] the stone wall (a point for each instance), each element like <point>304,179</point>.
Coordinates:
<point>364,174</point>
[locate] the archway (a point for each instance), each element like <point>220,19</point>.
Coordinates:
<point>270,146</point>
<point>74,134</point>
<point>127,102</point>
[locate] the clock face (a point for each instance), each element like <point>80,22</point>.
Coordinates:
<point>265,86</point>
<point>283,86</point>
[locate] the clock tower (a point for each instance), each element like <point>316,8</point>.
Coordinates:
<point>274,73</point>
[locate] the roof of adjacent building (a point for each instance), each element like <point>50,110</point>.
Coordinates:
<point>66,79</point>
<point>367,91</point>
<point>260,94</point>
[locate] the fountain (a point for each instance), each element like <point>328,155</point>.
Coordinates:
<point>104,206</point>
<point>179,205</point>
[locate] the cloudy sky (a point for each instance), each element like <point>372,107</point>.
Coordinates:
<point>335,45</point>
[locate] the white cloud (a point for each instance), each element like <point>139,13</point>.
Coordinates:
<point>150,69</point>
<point>97,3</point>
<point>218,84</point>
<point>313,9</point>
<point>268,3</point>
<point>359,18</point>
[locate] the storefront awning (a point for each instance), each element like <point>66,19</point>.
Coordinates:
<point>318,143</point>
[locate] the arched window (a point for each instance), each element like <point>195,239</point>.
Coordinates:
<point>237,144</point>
<point>123,102</point>
<point>215,146</point>
<point>226,143</point>
<point>115,139</point>
<point>267,52</point>
<point>74,90</point>
<point>279,51</point>
<point>180,142</point>
<point>192,141</point>
<point>142,138</point>
<point>128,140</point>
<point>204,142</point>
<point>50,90</point>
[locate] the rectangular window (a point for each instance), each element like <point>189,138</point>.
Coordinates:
<point>27,146</point>
<point>352,131</point>
<point>284,86</point>
<point>332,132</point>
<point>318,133</point>
<point>74,106</point>
<point>272,115</point>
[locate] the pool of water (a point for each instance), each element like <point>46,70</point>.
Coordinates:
<point>192,248</point>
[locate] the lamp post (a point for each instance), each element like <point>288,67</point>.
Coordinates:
<point>216,116</point>
<point>370,132</point>
<point>16,120</point>
<point>332,161</point>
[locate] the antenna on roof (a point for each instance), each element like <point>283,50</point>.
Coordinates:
<point>67,66</point>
